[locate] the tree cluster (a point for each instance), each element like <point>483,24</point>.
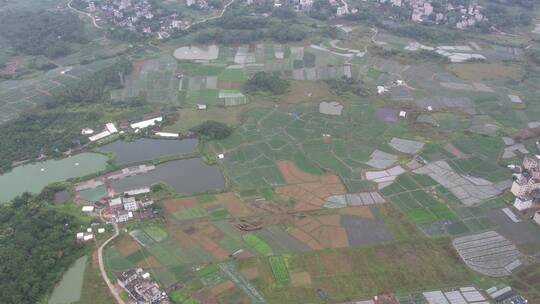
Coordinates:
<point>504,18</point>
<point>345,85</point>
<point>48,132</point>
<point>92,87</point>
<point>266,83</point>
<point>37,245</point>
<point>52,129</point>
<point>235,29</point>
<point>42,32</point>
<point>322,10</point>
<point>212,130</point>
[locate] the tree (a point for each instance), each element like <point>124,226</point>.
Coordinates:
<point>348,85</point>
<point>284,33</point>
<point>211,130</point>
<point>265,82</point>
<point>284,13</point>
<point>42,32</point>
<point>37,245</point>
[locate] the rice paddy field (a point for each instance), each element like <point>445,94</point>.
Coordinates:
<point>324,208</point>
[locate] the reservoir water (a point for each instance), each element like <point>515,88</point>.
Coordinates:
<point>34,177</point>
<point>184,176</point>
<point>144,149</point>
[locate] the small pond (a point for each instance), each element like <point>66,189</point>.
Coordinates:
<point>184,176</point>
<point>70,287</point>
<point>144,149</point>
<point>93,194</point>
<point>34,177</point>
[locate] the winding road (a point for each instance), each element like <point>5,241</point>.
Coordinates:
<point>111,286</point>
<point>84,13</point>
<point>214,17</point>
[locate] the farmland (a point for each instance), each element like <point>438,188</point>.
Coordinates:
<point>353,181</point>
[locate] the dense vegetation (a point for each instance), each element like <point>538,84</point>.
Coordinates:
<point>48,132</point>
<point>234,29</point>
<point>348,85</point>
<point>36,245</point>
<point>322,10</point>
<point>92,87</point>
<point>53,129</point>
<point>42,32</point>
<point>266,83</point>
<point>211,130</point>
<point>504,18</point>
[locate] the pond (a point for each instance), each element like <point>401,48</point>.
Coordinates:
<point>70,287</point>
<point>208,52</point>
<point>34,177</point>
<point>93,194</point>
<point>184,176</point>
<point>144,149</point>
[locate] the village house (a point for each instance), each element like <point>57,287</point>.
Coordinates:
<point>140,287</point>
<point>121,216</point>
<point>130,204</point>
<point>526,185</point>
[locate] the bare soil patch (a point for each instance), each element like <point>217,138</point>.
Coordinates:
<point>126,245</point>
<point>292,174</point>
<point>312,195</point>
<point>174,205</point>
<point>486,71</point>
<point>251,273</point>
<point>308,91</point>
<point>149,262</point>
<point>455,151</point>
<point>222,287</point>
<point>361,211</point>
<point>301,279</point>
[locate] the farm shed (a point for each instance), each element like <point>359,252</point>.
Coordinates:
<point>232,98</point>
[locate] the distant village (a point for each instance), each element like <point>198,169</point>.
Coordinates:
<point>423,11</point>
<point>139,16</point>
<point>526,185</point>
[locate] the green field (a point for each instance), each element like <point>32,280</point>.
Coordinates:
<point>423,208</point>
<point>232,74</point>
<point>191,213</point>
<point>257,244</point>
<point>279,269</point>
<point>365,271</point>
<point>155,232</point>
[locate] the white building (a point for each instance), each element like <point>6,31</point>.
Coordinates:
<point>167,134</point>
<point>146,202</point>
<point>87,131</point>
<point>536,217</point>
<point>111,127</point>
<point>122,216</point>
<point>146,123</point>
<point>137,191</point>
<point>88,209</point>
<point>130,204</point>
<point>115,202</point>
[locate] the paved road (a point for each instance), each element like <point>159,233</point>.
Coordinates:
<point>214,17</point>
<point>84,13</point>
<point>113,290</point>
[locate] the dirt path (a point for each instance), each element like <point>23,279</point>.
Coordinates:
<point>214,17</point>
<point>84,13</point>
<point>113,290</point>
